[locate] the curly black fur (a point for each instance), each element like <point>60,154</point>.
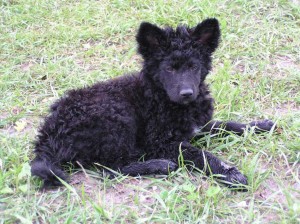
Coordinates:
<point>148,114</point>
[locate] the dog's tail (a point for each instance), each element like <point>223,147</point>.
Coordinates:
<point>48,172</point>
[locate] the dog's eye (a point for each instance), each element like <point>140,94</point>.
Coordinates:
<point>170,69</point>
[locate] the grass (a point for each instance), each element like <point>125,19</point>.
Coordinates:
<point>48,47</point>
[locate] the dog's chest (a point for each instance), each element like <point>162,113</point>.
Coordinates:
<point>173,124</point>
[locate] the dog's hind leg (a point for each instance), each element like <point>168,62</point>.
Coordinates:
<point>153,166</point>
<point>238,128</point>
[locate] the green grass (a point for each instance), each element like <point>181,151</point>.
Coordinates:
<point>48,47</point>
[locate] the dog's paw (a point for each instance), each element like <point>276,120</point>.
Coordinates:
<point>172,166</point>
<point>265,125</point>
<point>233,178</point>
<point>164,167</point>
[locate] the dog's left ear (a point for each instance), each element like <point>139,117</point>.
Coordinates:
<point>207,33</point>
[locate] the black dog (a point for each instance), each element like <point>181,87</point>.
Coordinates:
<point>148,116</point>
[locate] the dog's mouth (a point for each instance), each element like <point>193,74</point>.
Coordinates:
<point>181,101</point>
<point>186,101</point>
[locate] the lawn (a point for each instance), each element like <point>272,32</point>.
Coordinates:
<point>49,47</point>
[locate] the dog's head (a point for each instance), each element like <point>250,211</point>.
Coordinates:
<point>179,59</point>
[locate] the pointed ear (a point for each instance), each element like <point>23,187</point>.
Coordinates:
<point>150,38</point>
<point>207,33</point>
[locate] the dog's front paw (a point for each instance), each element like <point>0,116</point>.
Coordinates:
<point>233,178</point>
<point>260,126</point>
<point>162,166</point>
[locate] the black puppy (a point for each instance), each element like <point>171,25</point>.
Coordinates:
<point>147,115</point>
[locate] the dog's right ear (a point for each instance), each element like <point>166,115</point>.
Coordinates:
<point>150,39</point>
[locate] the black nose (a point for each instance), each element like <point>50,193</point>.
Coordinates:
<point>186,92</point>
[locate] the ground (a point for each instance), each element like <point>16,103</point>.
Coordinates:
<point>48,47</point>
